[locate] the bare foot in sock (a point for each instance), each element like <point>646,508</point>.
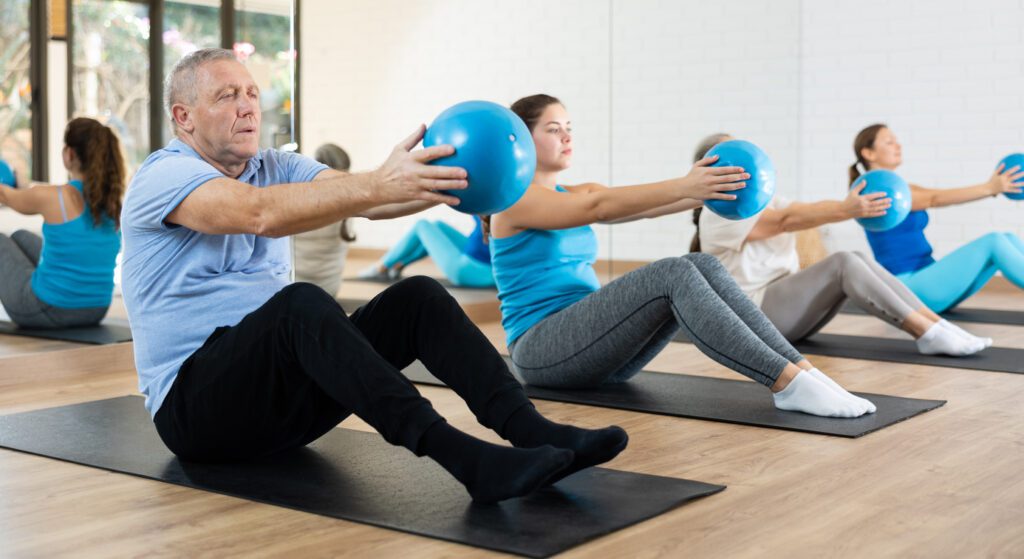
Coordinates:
<point>526,428</point>
<point>983,342</point>
<point>805,393</point>
<point>938,339</point>
<point>868,405</point>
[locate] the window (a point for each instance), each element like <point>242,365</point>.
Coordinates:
<point>188,25</point>
<point>111,50</point>
<point>110,70</point>
<point>264,41</point>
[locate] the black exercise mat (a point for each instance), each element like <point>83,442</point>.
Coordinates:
<point>97,335</point>
<point>995,359</point>
<point>443,281</point>
<point>357,476</point>
<point>730,401</point>
<point>964,314</point>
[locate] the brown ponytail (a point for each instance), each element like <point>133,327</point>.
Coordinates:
<point>485,226</point>
<point>865,140</point>
<point>103,172</point>
<point>703,148</point>
<point>695,241</point>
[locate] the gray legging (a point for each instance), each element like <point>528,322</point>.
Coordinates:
<point>803,303</point>
<point>608,336</point>
<point>19,256</point>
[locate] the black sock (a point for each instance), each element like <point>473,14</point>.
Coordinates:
<point>527,428</point>
<point>491,472</point>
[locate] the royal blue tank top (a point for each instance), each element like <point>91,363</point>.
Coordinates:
<point>904,248</point>
<point>76,266</point>
<point>476,248</point>
<point>540,272</point>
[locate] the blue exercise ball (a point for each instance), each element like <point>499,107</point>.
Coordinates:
<point>760,188</point>
<point>495,148</point>
<point>1009,162</point>
<point>894,187</point>
<point>7,174</point>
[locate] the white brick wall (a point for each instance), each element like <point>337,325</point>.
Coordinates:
<point>947,76</point>
<point>683,70</point>
<point>372,71</point>
<point>645,80</point>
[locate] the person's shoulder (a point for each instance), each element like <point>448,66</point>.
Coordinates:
<point>287,166</point>
<point>172,162</point>
<point>276,154</point>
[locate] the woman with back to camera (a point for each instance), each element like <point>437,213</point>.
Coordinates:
<point>320,254</point>
<point>904,250</point>
<point>760,253</point>
<point>66,277</point>
<point>565,330</point>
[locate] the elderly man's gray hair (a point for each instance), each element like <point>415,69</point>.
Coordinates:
<point>180,85</point>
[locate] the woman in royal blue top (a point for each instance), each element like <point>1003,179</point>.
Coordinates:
<point>904,250</point>
<point>565,330</point>
<point>66,277</point>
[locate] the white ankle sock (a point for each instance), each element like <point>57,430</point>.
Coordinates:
<point>984,342</point>
<point>807,394</point>
<point>941,340</point>
<point>868,405</point>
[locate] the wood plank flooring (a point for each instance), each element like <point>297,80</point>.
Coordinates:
<point>945,484</point>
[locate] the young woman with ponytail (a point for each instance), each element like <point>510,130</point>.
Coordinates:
<point>904,250</point>
<point>566,330</point>
<point>761,255</point>
<point>66,277</point>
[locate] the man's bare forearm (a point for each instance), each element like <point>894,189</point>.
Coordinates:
<point>288,209</point>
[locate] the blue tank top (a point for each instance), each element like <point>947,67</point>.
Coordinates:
<point>540,272</point>
<point>476,248</point>
<point>903,248</point>
<point>76,267</point>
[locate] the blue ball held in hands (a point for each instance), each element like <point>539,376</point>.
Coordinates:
<point>895,188</point>
<point>495,148</point>
<point>6,174</point>
<point>760,188</point>
<point>1009,162</point>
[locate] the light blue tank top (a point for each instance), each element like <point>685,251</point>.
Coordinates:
<point>540,272</point>
<point>76,267</point>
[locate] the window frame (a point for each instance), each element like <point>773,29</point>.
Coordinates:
<point>39,37</point>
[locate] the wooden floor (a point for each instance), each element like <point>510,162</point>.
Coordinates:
<point>948,483</point>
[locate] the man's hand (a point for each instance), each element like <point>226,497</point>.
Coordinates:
<point>406,175</point>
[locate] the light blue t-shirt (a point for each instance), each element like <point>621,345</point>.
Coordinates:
<point>540,272</point>
<point>179,285</point>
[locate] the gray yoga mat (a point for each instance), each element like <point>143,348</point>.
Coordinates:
<point>965,314</point>
<point>730,401</point>
<point>996,359</point>
<point>357,476</point>
<point>97,335</point>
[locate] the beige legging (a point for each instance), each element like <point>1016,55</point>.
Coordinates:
<point>803,303</point>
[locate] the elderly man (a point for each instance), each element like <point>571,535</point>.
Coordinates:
<point>236,364</point>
